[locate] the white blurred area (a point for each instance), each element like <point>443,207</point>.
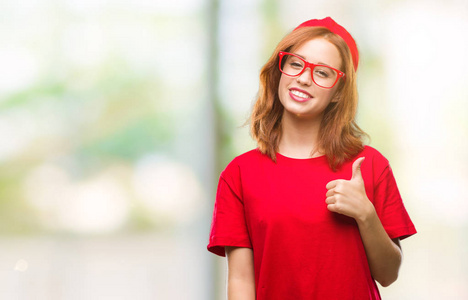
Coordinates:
<point>98,205</point>
<point>413,101</point>
<point>425,63</point>
<point>102,204</point>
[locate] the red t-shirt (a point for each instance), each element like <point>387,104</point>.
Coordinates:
<point>301,249</point>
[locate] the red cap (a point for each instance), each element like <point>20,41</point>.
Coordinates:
<point>339,30</point>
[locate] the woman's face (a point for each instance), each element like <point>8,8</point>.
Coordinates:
<point>299,95</point>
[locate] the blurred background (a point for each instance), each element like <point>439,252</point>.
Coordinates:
<point>116,118</point>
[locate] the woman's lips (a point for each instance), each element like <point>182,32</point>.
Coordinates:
<point>299,95</point>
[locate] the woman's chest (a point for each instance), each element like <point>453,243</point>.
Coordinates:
<point>293,194</point>
<point>286,194</point>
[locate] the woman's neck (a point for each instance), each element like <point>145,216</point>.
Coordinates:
<point>299,136</point>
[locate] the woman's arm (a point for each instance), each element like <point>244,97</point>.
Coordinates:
<point>241,276</point>
<point>348,197</point>
<point>383,254</point>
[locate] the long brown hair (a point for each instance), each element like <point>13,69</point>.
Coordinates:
<point>340,138</point>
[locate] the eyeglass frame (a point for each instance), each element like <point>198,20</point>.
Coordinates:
<point>311,66</point>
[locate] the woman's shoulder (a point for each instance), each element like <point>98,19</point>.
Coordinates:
<point>251,154</point>
<point>245,160</point>
<point>241,163</point>
<point>379,163</point>
<point>373,153</point>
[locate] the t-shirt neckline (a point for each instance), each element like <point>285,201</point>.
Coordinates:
<point>300,159</point>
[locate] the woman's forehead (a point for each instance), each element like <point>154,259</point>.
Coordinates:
<point>319,50</point>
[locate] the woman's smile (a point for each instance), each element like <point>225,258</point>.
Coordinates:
<point>299,95</point>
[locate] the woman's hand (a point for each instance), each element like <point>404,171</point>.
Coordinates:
<point>348,197</point>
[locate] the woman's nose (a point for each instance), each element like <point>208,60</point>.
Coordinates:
<point>306,77</point>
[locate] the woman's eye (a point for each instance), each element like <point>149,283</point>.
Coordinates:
<point>322,73</point>
<point>296,65</point>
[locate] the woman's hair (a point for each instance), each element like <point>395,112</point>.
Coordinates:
<point>340,138</point>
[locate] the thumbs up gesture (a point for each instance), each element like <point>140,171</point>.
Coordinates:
<point>348,197</point>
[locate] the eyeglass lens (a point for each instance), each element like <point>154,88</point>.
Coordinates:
<point>322,76</point>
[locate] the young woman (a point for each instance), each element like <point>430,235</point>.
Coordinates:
<point>312,213</point>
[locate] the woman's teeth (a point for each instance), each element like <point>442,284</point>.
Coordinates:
<point>300,94</point>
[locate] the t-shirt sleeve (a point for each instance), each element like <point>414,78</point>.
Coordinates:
<point>390,208</point>
<point>228,225</point>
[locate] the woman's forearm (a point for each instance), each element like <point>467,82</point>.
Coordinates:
<point>383,255</point>
<point>240,289</point>
<point>241,274</point>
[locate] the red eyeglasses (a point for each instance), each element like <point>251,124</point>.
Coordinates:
<point>323,76</point>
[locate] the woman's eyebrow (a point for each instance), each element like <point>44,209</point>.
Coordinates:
<point>319,63</point>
